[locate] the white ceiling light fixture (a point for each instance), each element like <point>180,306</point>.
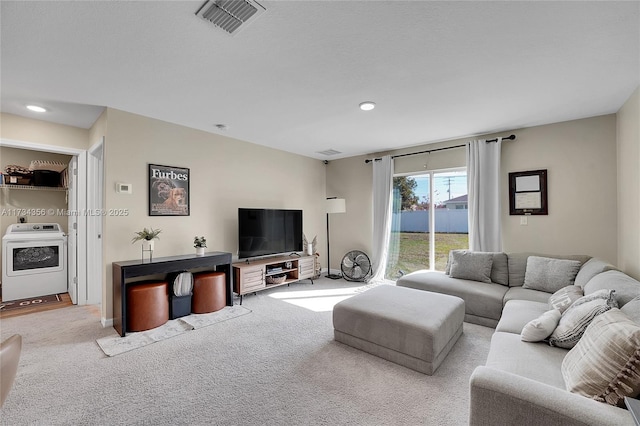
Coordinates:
<point>367,105</point>
<point>36,108</point>
<point>229,15</point>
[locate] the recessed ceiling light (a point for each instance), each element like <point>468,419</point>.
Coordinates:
<point>36,108</point>
<point>367,106</point>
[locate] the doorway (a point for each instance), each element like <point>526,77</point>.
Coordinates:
<point>83,289</point>
<point>430,218</point>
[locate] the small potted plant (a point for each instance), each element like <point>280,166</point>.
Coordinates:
<point>146,236</point>
<point>200,243</point>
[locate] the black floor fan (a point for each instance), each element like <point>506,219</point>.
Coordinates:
<point>356,266</point>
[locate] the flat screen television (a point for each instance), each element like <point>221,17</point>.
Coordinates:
<point>263,232</point>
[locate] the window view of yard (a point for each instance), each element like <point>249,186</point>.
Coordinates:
<point>412,223</point>
<point>413,252</point>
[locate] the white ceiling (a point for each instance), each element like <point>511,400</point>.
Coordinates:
<point>294,77</point>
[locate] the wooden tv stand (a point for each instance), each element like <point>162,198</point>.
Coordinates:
<point>250,276</point>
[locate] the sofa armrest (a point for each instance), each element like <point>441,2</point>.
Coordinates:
<point>499,397</point>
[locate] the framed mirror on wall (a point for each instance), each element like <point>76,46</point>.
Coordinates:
<point>528,193</point>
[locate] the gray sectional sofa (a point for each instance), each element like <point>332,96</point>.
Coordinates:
<point>521,382</point>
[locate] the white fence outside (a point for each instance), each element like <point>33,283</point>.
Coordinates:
<point>447,221</point>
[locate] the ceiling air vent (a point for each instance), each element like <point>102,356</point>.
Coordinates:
<point>329,152</point>
<point>230,15</point>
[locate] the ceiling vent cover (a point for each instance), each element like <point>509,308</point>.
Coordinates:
<point>329,152</point>
<point>230,15</point>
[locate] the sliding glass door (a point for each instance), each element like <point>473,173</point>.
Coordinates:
<point>429,219</point>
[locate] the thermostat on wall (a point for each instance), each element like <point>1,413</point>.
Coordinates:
<point>123,188</point>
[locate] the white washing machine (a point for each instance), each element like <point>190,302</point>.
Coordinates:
<point>34,261</point>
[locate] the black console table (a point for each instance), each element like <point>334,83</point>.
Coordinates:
<point>162,265</point>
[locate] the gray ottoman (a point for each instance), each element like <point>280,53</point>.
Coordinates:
<point>413,328</point>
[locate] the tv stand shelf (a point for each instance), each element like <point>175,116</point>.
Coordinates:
<point>250,276</point>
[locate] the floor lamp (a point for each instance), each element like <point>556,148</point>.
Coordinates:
<point>334,205</point>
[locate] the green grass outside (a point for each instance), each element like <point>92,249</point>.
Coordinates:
<point>413,251</point>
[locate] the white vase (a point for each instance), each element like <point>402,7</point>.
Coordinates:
<point>200,251</point>
<point>147,245</point>
<point>309,249</point>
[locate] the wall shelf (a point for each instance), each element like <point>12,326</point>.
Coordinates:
<point>33,187</point>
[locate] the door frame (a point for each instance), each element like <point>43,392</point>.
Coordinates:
<point>95,222</point>
<point>81,206</point>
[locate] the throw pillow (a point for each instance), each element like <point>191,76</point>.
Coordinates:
<point>605,294</point>
<point>603,365</point>
<point>632,310</point>
<point>540,328</point>
<point>447,269</point>
<point>550,275</point>
<point>563,298</point>
<point>499,267</point>
<point>575,321</point>
<point>475,266</point>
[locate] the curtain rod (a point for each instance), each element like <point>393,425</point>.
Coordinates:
<point>510,137</point>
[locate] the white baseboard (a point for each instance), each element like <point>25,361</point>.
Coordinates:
<point>106,322</point>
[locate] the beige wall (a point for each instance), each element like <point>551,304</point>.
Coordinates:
<point>36,131</point>
<point>580,157</point>
<point>628,141</point>
<point>350,179</point>
<point>225,174</point>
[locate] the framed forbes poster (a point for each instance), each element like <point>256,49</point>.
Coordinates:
<point>168,191</point>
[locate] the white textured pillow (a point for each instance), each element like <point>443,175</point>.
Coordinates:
<point>550,275</point>
<point>565,297</point>
<point>540,328</point>
<point>475,266</point>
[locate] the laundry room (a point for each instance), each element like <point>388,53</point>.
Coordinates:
<point>33,191</point>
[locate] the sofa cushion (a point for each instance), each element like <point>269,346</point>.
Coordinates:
<point>536,361</point>
<point>590,269</point>
<point>565,297</point>
<point>540,328</point>
<point>518,265</point>
<point>499,268</point>
<point>481,299</point>
<point>550,275</point>
<point>468,265</point>
<point>602,366</point>
<point>517,313</point>
<point>519,293</point>
<point>575,321</point>
<point>626,287</point>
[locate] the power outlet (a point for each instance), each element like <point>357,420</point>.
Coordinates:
<point>524,220</point>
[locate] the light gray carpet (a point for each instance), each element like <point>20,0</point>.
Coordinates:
<point>279,365</point>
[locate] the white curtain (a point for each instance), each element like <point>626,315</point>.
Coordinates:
<point>382,204</point>
<point>483,177</point>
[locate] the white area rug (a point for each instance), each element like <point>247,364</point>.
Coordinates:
<point>115,345</point>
